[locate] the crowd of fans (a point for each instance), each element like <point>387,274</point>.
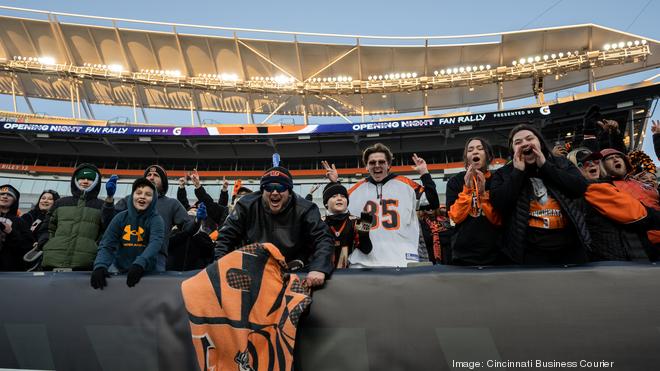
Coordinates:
<point>590,201</point>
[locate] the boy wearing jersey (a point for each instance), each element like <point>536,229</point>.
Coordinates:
<point>391,200</point>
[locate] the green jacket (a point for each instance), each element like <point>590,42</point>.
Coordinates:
<point>73,227</point>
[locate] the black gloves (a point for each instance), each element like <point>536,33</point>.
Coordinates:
<point>135,272</point>
<point>98,278</point>
<point>365,222</point>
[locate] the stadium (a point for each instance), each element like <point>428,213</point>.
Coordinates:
<point>312,97</point>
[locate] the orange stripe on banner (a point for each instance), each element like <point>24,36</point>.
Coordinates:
<point>229,174</point>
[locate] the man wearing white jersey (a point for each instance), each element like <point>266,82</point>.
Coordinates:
<point>391,200</point>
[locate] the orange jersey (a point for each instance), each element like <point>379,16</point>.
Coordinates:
<point>244,311</point>
<point>547,215</point>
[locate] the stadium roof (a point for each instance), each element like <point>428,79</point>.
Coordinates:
<point>187,67</point>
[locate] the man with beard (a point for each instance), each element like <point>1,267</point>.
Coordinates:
<point>616,167</point>
<point>536,196</point>
<point>391,201</point>
<point>15,236</point>
<point>278,215</point>
<point>349,232</point>
<point>171,210</point>
<point>477,234</point>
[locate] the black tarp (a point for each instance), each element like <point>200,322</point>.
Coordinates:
<point>387,319</point>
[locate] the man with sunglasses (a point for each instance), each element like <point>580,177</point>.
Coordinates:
<point>276,214</point>
<point>391,200</point>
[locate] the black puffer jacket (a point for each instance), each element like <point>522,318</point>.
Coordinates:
<point>297,231</point>
<point>614,241</point>
<point>15,244</point>
<point>510,194</point>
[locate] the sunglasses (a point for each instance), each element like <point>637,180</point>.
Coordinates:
<point>271,187</point>
<point>588,163</point>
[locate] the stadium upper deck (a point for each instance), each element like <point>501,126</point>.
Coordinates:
<point>97,60</point>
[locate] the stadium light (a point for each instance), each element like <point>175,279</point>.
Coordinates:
<point>116,68</point>
<point>47,60</point>
<point>551,64</point>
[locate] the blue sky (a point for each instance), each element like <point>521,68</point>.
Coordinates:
<point>406,18</point>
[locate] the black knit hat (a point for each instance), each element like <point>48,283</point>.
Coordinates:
<point>332,189</point>
<point>143,182</point>
<point>277,174</point>
<point>161,172</point>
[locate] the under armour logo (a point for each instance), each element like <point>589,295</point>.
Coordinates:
<point>153,170</point>
<point>128,232</point>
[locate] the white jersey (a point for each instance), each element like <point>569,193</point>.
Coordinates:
<point>395,233</point>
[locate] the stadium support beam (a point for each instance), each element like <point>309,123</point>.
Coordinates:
<point>500,96</point>
<point>59,36</point>
<point>86,110</point>
<point>192,146</point>
<point>35,48</point>
<point>89,108</point>
<point>108,143</point>
<point>86,105</point>
<point>305,114</point>
<point>25,96</point>
<point>258,53</point>
<point>211,57</point>
<point>13,95</point>
<point>359,55</point>
<point>134,105</point>
<point>122,48</point>
<point>340,114</point>
<point>184,60</point>
<point>590,71</point>
<point>192,112</point>
<point>96,47</point>
<point>275,110</point>
<point>30,141</point>
<point>302,78</point>
<point>77,97</point>
<point>153,52</point>
<point>73,109</point>
<point>248,101</point>
<point>332,63</point>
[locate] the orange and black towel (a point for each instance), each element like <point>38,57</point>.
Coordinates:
<point>244,311</point>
